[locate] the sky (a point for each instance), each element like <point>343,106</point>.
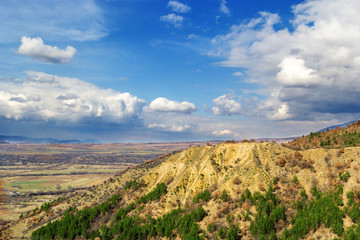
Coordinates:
<point>150,71</point>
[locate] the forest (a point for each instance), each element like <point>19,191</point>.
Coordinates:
<point>269,221</point>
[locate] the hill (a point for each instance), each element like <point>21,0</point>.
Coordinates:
<point>348,136</point>
<point>230,190</point>
<point>337,126</point>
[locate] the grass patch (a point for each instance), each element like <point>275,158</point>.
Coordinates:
<point>27,185</point>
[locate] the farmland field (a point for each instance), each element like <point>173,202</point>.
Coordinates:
<point>31,174</point>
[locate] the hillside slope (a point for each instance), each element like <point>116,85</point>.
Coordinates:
<point>348,136</point>
<point>212,192</point>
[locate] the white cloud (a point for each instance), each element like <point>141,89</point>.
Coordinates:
<point>306,73</point>
<point>206,127</point>
<point>164,105</point>
<point>294,73</point>
<point>173,19</point>
<point>80,20</point>
<point>178,7</point>
<point>223,8</point>
<point>170,128</point>
<point>281,113</point>
<point>222,132</point>
<point>238,74</point>
<point>35,48</point>
<point>61,99</point>
<point>226,105</point>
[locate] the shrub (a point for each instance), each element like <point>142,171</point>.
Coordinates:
<point>132,184</point>
<point>224,196</point>
<point>154,194</point>
<point>281,162</point>
<point>303,194</point>
<point>269,212</point>
<point>323,209</point>
<point>295,179</point>
<point>237,180</point>
<point>233,233</point>
<point>204,196</point>
<point>344,176</point>
<point>211,227</point>
<point>298,156</point>
<point>222,232</point>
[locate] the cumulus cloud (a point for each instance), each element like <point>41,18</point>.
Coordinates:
<point>223,8</point>
<point>35,48</point>
<point>173,19</point>
<point>61,99</point>
<point>305,73</point>
<point>222,132</point>
<point>294,73</point>
<point>165,105</point>
<point>207,127</point>
<point>281,113</point>
<point>178,7</point>
<point>170,128</point>
<point>226,105</point>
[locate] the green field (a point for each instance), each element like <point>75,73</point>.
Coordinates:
<point>33,185</point>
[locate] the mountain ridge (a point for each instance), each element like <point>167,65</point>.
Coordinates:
<point>23,139</point>
<point>336,126</point>
<point>225,170</point>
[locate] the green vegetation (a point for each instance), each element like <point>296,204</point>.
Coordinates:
<point>271,219</point>
<point>348,136</point>
<point>44,207</point>
<point>204,196</point>
<point>176,221</point>
<point>74,223</point>
<point>323,209</point>
<point>295,179</point>
<point>211,227</point>
<point>154,195</point>
<point>132,184</point>
<point>77,223</point>
<point>28,185</point>
<point>269,212</point>
<point>344,176</point>
<point>222,232</point>
<point>224,196</point>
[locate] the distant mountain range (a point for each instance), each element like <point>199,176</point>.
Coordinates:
<point>23,139</point>
<point>335,126</point>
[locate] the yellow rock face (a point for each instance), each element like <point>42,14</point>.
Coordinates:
<point>253,165</point>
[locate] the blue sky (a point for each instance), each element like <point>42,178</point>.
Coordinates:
<point>139,71</point>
